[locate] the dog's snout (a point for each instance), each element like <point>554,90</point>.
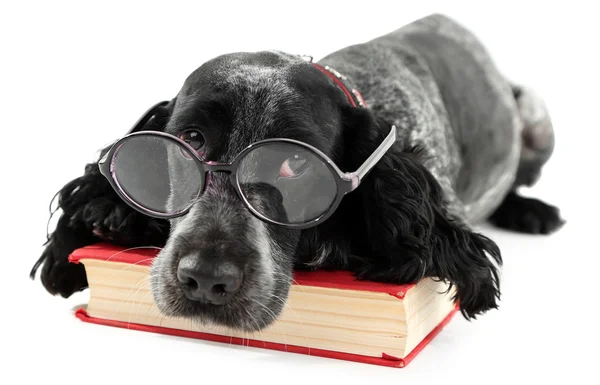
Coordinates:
<point>214,283</point>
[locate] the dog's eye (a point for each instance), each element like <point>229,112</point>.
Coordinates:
<point>194,138</point>
<point>294,166</point>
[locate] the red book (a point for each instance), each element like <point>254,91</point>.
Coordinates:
<point>328,313</point>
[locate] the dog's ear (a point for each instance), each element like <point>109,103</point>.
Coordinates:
<point>92,212</point>
<point>409,231</point>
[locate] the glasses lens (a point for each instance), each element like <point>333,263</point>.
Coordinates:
<point>157,173</point>
<point>286,183</point>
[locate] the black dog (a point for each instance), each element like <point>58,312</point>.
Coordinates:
<point>467,139</point>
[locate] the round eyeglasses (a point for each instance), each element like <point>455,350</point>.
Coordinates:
<point>281,181</point>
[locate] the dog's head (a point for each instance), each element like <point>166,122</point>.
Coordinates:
<point>221,264</point>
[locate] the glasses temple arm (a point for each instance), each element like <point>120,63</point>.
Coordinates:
<point>372,160</point>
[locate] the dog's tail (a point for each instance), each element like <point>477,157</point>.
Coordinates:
<point>537,134</point>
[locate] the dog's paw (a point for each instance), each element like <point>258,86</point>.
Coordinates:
<point>114,221</point>
<point>108,220</point>
<point>527,215</point>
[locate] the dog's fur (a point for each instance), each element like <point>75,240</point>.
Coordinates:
<point>467,139</point>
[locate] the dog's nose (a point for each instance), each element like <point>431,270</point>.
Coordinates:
<point>215,283</point>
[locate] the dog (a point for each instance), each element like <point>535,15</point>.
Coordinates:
<point>467,139</point>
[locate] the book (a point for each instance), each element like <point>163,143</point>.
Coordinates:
<point>328,313</point>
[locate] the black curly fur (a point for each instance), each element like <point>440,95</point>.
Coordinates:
<point>92,212</point>
<point>409,235</point>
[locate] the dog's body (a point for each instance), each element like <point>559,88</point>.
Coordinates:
<point>417,78</point>
<point>467,139</point>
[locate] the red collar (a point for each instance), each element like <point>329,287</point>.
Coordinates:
<point>354,97</point>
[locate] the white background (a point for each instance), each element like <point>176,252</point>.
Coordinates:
<point>75,77</point>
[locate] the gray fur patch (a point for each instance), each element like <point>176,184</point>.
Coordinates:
<point>416,77</point>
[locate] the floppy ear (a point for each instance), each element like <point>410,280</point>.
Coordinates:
<point>409,231</point>
<point>92,212</point>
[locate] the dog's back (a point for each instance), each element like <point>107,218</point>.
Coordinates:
<point>437,83</point>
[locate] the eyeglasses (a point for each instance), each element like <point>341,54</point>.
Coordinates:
<point>281,181</point>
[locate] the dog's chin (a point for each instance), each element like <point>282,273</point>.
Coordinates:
<point>254,307</point>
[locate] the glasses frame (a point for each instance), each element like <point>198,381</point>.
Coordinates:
<point>345,181</point>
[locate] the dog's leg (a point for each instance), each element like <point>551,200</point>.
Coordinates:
<point>516,212</point>
<point>91,212</point>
